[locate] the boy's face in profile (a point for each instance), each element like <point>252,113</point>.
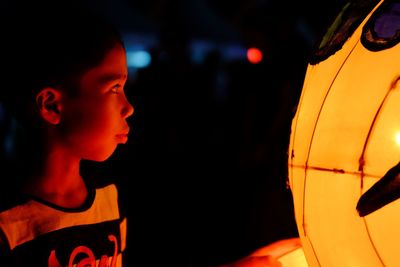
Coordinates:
<point>94,122</point>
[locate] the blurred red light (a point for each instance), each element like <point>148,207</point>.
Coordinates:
<point>254,55</point>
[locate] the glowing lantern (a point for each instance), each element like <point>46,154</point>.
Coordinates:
<point>345,138</point>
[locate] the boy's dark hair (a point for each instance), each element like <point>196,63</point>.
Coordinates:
<point>50,46</point>
<point>43,45</point>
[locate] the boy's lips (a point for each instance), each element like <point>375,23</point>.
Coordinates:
<point>125,131</point>
<point>123,136</point>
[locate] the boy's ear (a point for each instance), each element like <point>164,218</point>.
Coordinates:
<point>48,100</point>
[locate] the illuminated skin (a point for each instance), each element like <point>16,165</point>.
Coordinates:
<point>93,123</point>
<point>87,126</point>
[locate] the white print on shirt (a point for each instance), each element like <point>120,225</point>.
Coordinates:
<point>89,260</point>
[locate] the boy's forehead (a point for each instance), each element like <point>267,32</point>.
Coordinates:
<point>112,76</point>
<point>110,70</point>
<point>113,67</point>
<point>103,76</point>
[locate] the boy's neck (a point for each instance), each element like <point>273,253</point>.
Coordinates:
<point>60,183</point>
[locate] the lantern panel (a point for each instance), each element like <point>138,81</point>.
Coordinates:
<point>349,110</point>
<point>337,234</point>
<point>383,147</point>
<point>383,226</point>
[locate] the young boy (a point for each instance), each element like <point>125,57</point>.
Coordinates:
<point>70,105</point>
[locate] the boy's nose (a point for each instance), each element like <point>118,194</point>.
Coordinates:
<point>127,110</point>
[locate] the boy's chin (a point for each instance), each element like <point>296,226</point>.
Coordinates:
<point>101,157</point>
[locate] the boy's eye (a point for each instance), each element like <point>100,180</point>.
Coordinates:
<point>116,89</point>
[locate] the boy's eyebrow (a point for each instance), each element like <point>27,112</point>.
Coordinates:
<point>112,77</point>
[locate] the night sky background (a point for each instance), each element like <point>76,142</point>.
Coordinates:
<point>203,175</point>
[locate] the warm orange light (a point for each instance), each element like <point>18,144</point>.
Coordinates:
<point>254,55</point>
<point>398,139</point>
<point>345,136</point>
<point>287,251</point>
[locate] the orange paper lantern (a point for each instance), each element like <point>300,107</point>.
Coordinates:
<point>345,137</point>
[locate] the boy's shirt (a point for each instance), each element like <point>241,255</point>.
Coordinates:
<point>41,234</point>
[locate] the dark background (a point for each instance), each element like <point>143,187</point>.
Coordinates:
<point>203,175</point>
